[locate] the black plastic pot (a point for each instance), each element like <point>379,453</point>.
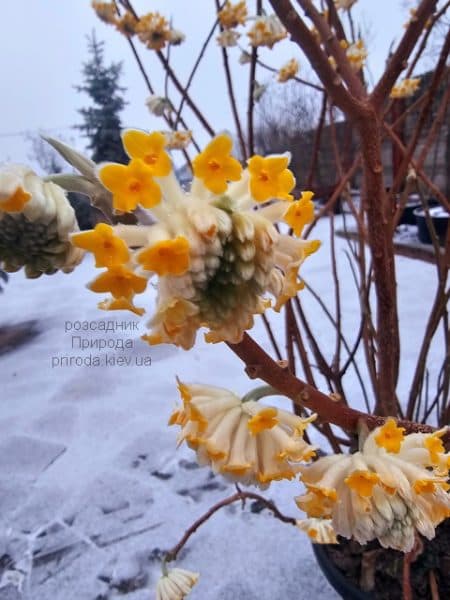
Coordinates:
<point>408,217</point>
<point>336,579</point>
<point>440,219</point>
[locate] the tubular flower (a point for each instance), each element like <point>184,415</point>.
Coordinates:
<point>127,24</point>
<point>158,105</point>
<point>288,71</point>
<point>266,31</point>
<point>153,30</point>
<point>228,38</point>
<point>244,441</point>
<point>36,221</point>
<point>105,11</point>
<point>300,212</point>
<point>319,530</point>
<point>389,489</point>
<point>149,148</point>
<point>232,15</point>
<point>176,584</point>
<point>214,257</point>
<point>109,249</point>
<point>120,281</point>
<point>177,140</point>
<point>270,178</point>
<point>215,165</point>
<point>130,184</point>
<point>356,55</point>
<point>406,88</point>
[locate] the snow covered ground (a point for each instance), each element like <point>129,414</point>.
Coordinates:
<point>92,488</point>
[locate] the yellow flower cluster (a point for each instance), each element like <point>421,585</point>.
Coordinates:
<point>152,29</point>
<point>356,55</point>
<point>266,31</point>
<point>215,256</point>
<point>393,486</point>
<point>177,140</point>
<point>288,71</point>
<point>232,15</point>
<point>406,88</point>
<point>36,221</point>
<point>110,251</point>
<point>244,440</point>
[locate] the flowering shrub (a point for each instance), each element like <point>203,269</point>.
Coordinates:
<point>228,247</point>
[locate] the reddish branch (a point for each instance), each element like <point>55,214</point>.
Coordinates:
<point>398,60</point>
<point>260,365</point>
<point>239,496</point>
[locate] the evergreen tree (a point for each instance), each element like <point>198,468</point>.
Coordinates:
<point>102,123</point>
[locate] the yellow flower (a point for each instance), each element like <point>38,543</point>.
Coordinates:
<point>153,30</point>
<point>215,165</point>
<point>106,11</point>
<point>300,212</point>
<point>232,15</point>
<point>405,88</point>
<point>120,304</point>
<point>266,31</point>
<point>177,140</point>
<point>169,257</point>
<point>386,491</point>
<point>270,178</point>
<point>228,38</point>
<point>120,281</point>
<point>130,185</point>
<point>148,147</point>
<point>127,24</point>
<point>109,249</point>
<point>319,530</point>
<point>14,201</point>
<point>176,584</point>
<point>357,54</point>
<point>390,436</point>
<point>36,221</point>
<point>288,71</point>
<point>244,440</point>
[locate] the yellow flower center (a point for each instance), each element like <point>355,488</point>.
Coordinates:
<point>150,159</point>
<point>134,186</point>
<point>169,257</point>
<point>362,482</point>
<point>265,419</point>
<point>390,436</point>
<point>16,201</point>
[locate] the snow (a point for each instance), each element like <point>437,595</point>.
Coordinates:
<point>92,487</point>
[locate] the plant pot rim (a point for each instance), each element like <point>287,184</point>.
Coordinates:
<point>337,580</point>
<point>442,214</point>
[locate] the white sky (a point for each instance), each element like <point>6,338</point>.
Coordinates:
<point>43,46</point>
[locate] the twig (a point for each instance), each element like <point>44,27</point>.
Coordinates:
<point>239,496</point>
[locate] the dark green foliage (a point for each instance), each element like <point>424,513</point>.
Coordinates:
<point>102,123</point>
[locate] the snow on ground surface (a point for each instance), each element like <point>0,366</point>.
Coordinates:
<point>92,488</point>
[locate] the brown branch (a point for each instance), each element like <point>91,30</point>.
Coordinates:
<point>239,496</point>
<point>424,113</point>
<point>182,90</point>
<point>420,173</point>
<point>333,46</point>
<point>260,365</point>
<point>301,35</point>
<point>316,144</point>
<point>230,88</point>
<point>398,60</point>
<point>195,67</point>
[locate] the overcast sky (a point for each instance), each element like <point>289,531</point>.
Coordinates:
<point>43,46</point>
